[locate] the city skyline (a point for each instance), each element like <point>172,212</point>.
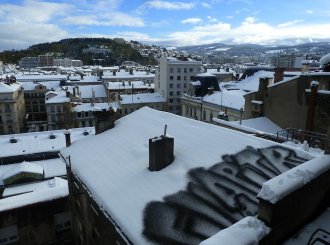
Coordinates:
<point>169,23</point>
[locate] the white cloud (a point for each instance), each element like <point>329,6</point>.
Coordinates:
<point>309,11</point>
<point>211,19</point>
<point>289,23</point>
<point>109,19</point>
<point>165,5</point>
<point>191,21</point>
<point>249,31</point>
<point>206,5</point>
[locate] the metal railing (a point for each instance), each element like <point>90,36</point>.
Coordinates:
<point>315,140</point>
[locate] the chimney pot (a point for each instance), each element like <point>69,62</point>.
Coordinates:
<point>279,74</point>
<point>67,134</point>
<point>160,152</point>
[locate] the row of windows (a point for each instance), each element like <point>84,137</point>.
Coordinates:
<point>185,70</point>
<point>178,85</point>
<point>178,93</point>
<point>179,78</point>
<point>34,95</point>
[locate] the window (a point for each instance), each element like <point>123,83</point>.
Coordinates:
<point>171,77</point>
<point>178,93</point>
<point>185,85</point>
<point>185,70</point>
<point>191,69</point>
<point>171,93</point>
<point>171,85</point>
<point>170,100</point>
<point>178,78</point>
<point>178,100</point>
<point>178,69</point>
<point>62,221</point>
<point>178,85</point>
<point>171,70</point>
<point>59,108</point>
<point>185,78</point>
<point>35,108</point>
<point>8,235</point>
<point>204,115</point>
<point>52,108</point>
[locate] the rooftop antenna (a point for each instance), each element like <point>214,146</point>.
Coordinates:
<point>165,128</point>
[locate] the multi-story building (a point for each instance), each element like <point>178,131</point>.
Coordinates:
<point>29,62</point>
<point>172,79</point>
<point>288,61</point>
<point>12,107</point>
<point>34,95</point>
<point>45,60</point>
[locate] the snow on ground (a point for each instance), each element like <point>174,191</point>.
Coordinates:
<point>114,167</point>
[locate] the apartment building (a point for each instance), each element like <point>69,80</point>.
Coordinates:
<point>172,79</point>
<point>12,107</point>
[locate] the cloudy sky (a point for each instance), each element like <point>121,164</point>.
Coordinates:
<point>175,23</point>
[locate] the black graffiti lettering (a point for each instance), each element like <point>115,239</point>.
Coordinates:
<point>216,197</point>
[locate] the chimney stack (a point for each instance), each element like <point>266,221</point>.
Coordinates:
<point>131,71</point>
<point>279,74</point>
<point>311,105</point>
<point>218,69</point>
<point>114,73</point>
<point>67,134</point>
<point>205,69</point>
<point>305,65</point>
<point>210,90</point>
<point>161,151</point>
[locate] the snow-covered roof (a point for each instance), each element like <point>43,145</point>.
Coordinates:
<point>122,74</point>
<point>205,74</point>
<point>60,97</point>
<point>94,107</point>
<point>40,192</point>
<point>113,166</point>
<point>29,143</point>
<point>26,167</point>
<point>261,124</point>
<point>41,77</point>
<point>129,85</point>
<point>87,91</point>
<point>9,88</point>
<point>230,99</point>
<point>142,98</point>
<point>51,168</point>
<point>252,83</point>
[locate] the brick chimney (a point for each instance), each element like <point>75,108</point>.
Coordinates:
<point>279,74</point>
<point>311,105</point>
<point>210,90</point>
<point>161,152</point>
<point>305,65</point>
<point>114,73</point>
<point>67,134</point>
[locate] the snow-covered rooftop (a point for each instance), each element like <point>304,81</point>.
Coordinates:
<point>40,192</point>
<point>230,99</point>
<point>114,167</point>
<point>9,88</point>
<point>29,143</point>
<point>129,85</point>
<point>58,97</point>
<point>261,124</point>
<point>51,168</point>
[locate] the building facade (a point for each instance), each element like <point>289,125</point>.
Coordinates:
<point>172,79</point>
<point>12,107</point>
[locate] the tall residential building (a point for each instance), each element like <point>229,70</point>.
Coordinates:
<point>12,107</point>
<point>172,79</point>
